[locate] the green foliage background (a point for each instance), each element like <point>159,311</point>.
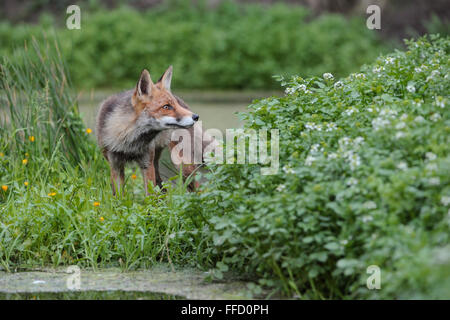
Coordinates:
<point>231,46</point>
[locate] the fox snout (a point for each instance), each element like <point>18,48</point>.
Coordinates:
<point>183,122</point>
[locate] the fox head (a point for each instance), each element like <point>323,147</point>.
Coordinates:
<point>156,106</point>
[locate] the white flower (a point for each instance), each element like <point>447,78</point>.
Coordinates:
<point>332,155</point>
<point>399,135</point>
<point>338,85</point>
<point>400,125</point>
<point>355,161</point>
<point>370,205</point>
<point>404,116</point>
<point>366,219</point>
<point>435,117</point>
<point>433,75</point>
<point>281,187</point>
<point>309,160</point>
<point>352,182</point>
<point>388,112</point>
<point>345,141</point>
<point>358,141</point>
<point>430,156</point>
<point>418,102</point>
<point>440,102</point>
<point>288,170</point>
<point>431,167</point>
<point>389,60</point>
<point>380,123</point>
<point>358,75</point>
<point>350,111</point>
<point>434,181</point>
<point>316,148</point>
<point>419,119</point>
<point>289,90</point>
<point>309,125</point>
<point>377,69</point>
<point>411,88</point>
<point>330,127</point>
<point>328,76</point>
<point>402,166</point>
<point>445,200</point>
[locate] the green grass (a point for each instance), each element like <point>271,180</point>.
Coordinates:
<point>56,205</point>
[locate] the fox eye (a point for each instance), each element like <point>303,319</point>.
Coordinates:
<point>167,107</point>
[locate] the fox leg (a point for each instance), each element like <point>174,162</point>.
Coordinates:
<point>117,179</point>
<point>149,175</point>
<point>117,173</point>
<point>148,170</point>
<point>157,155</point>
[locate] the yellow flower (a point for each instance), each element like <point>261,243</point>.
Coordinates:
<point>52,194</point>
<point>31,138</point>
<point>26,183</point>
<point>88,130</point>
<point>5,188</point>
<point>26,154</point>
<point>24,161</point>
<point>2,154</point>
<point>102,219</point>
<point>96,204</point>
<point>133,176</point>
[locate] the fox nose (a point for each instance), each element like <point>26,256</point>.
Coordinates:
<point>195,117</point>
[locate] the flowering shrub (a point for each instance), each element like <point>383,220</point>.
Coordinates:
<point>364,181</point>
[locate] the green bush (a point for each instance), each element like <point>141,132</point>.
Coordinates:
<point>364,181</point>
<point>231,46</point>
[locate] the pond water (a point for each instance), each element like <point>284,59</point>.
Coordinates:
<point>158,282</point>
<point>89,295</point>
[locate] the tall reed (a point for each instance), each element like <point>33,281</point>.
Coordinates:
<point>37,105</point>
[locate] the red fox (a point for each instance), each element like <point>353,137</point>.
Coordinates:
<point>132,125</point>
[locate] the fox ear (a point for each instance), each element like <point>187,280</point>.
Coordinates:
<point>166,78</point>
<point>144,85</point>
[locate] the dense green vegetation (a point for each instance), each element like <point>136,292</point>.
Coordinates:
<point>232,46</point>
<point>364,181</point>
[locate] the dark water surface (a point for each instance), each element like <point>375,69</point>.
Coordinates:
<point>89,295</point>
